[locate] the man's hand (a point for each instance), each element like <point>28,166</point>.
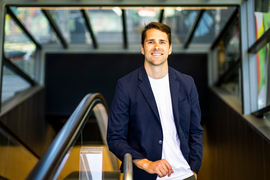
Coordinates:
<point>160,167</point>
<point>195,174</point>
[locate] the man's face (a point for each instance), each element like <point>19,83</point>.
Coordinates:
<point>156,47</point>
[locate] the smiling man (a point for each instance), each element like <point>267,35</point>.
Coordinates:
<point>155,115</point>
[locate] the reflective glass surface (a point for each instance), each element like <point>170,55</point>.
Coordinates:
<point>89,157</point>
<point>262,17</point>
<point>211,23</point>
<point>12,84</point>
<point>18,48</point>
<point>137,19</point>
<point>228,49</point>
<point>37,24</point>
<point>180,22</point>
<point>72,26</point>
<point>16,162</point>
<point>228,56</point>
<point>262,24</point>
<point>263,76</point>
<point>107,25</point>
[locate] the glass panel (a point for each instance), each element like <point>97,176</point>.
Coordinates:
<point>72,26</point>
<point>12,84</point>
<point>37,24</point>
<point>211,24</point>
<point>228,49</point>
<point>70,167</point>
<point>16,162</point>
<point>232,82</point>
<point>180,22</point>
<point>107,25</point>
<point>262,24</point>
<point>262,17</point>
<point>91,163</point>
<point>263,77</point>
<point>18,48</point>
<point>267,117</point>
<point>228,56</point>
<point>137,19</point>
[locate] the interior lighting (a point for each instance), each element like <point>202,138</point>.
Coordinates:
<point>146,12</point>
<point>178,9</point>
<point>127,7</point>
<point>118,11</point>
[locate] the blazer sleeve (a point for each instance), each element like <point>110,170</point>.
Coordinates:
<point>118,124</point>
<point>195,132</point>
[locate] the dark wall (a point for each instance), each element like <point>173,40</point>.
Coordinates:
<point>69,77</point>
<point>232,148</point>
<point>26,121</point>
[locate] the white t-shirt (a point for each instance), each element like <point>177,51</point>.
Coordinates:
<point>171,142</point>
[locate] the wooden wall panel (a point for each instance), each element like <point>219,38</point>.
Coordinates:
<point>27,121</point>
<point>232,148</point>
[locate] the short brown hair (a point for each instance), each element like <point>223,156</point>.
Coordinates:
<point>159,26</point>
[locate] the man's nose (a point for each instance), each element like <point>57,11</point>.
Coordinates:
<point>157,47</point>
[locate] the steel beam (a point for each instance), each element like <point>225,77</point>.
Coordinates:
<point>124,29</point>
<point>89,27</point>
<point>161,16</point>
<point>18,71</point>
<point>55,28</point>
<point>193,28</point>
<point>260,43</point>
<point>230,22</point>
<point>261,112</point>
<point>18,22</point>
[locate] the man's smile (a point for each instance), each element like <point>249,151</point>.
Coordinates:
<point>156,54</point>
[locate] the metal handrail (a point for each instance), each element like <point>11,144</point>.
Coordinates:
<point>128,168</point>
<point>48,165</point>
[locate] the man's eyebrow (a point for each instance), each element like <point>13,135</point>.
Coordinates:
<point>155,40</point>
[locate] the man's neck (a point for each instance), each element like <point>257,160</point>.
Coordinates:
<point>156,72</point>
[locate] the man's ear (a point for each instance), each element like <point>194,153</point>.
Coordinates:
<point>170,49</point>
<point>142,49</point>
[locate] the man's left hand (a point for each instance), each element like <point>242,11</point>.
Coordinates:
<point>195,174</point>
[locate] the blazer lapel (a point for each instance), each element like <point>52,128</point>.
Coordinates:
<point>146,89</point>
<point>174,88</point>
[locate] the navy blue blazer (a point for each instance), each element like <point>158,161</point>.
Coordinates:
<point>134,124</point>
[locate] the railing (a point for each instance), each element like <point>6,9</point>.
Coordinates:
<point>50,164</point>
<point>128,168</point>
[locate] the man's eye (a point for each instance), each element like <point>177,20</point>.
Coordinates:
<point>162,42</point>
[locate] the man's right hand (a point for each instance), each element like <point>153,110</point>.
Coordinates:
<point>160,167</point>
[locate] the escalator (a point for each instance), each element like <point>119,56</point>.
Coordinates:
<point>67,157</point>
<point>16,161</point>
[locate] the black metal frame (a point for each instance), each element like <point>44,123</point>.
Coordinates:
<point>260,43</point>
<point>124,29</point>
<point>230,22</point>
<point>89,27</point>
<point>55,28</point>
<point>18,22</point>
<point>161,16</point>
<point>18,71</point>
<point>193,28</point>
<point>261,112</point>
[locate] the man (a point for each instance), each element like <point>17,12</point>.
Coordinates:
<point>155,114</point>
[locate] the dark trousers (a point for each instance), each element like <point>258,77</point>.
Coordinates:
<point>191,178</point>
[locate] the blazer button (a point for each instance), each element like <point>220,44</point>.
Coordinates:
<point>160,142</point>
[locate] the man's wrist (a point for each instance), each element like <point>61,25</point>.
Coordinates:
<point>141,163</point>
